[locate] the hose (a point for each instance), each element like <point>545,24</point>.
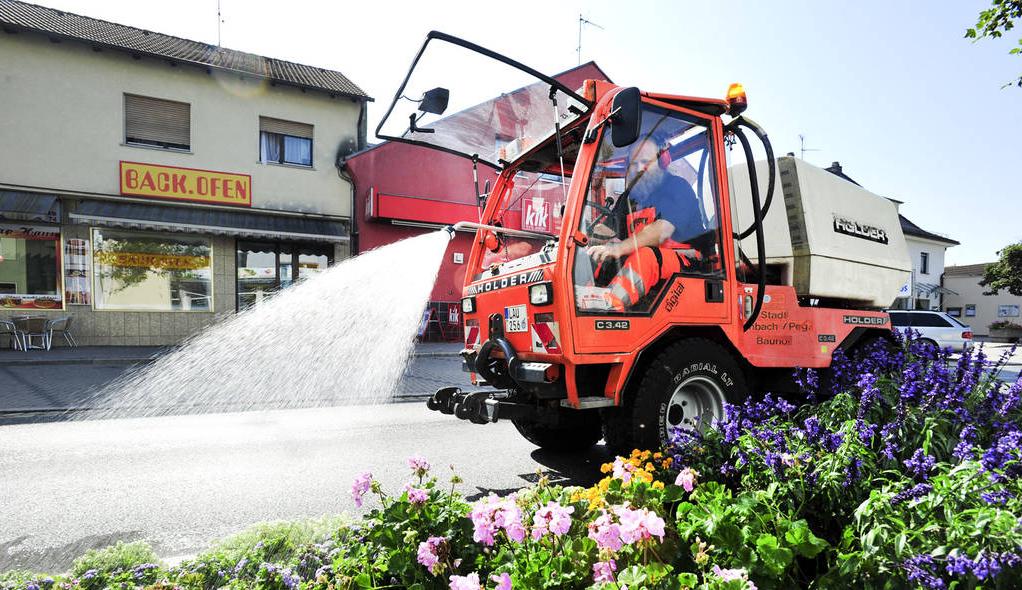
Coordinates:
<point>771,178</point>
<point>757,226</point>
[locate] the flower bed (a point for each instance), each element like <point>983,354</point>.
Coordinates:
<point>903,472</point>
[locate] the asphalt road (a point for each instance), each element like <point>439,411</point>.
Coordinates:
<point>180,482</point>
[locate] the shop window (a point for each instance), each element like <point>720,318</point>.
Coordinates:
<point>152,272</point>
<point>157,122</point>
<point>30,267</point>
<point>267,267</point>
<point>284,142</point>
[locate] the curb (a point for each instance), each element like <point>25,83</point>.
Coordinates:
<point>128,361</point>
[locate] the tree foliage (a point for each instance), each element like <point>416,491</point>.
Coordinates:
<point>1006,273</point>
<point>997,20</point>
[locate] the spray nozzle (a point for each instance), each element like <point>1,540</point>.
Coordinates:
<point>450,230</point>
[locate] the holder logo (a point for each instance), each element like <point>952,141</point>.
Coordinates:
<point>856,229</point>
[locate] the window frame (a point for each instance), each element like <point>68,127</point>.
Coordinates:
<point>279,248</point>
<point>153,144</point>
<point>95,275</point>
<point>924,263</point>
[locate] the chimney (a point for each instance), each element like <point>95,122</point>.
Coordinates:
<point>835,168</point>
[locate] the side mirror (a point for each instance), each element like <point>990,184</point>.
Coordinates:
<point>435,101</point>
<point>626,124</point>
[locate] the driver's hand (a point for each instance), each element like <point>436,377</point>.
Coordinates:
<point>603,252</point>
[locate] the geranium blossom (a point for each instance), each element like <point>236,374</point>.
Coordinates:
<point>552,518</point>
<point>606,532</point>
<point>639,525</point>
<point>503,581</point>
<point>623,470</point>
<point>363,481</point>
<point>492,514</point>
<point>469,582</point>
<point>417,496</point>
<point>429,553</point>
<point>603,571</point>
<point>418,465</point>
<point>687,479</point>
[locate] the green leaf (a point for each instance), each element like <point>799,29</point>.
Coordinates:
<point>363,580</point>
<point>632,576</point>
<point>673,493</point>
<point>688,580</point>
<point>775,558</point>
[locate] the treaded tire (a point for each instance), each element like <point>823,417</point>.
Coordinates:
<point>579,430</point>
<point>698,365</point>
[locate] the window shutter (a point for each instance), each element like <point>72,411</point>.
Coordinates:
<point>156,120</point>
<point>271,125</point>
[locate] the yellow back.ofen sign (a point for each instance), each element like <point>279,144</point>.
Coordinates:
<point>186,184</point>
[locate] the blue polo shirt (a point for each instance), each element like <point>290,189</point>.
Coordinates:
<point>676,203</point>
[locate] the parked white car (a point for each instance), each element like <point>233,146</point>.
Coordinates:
<point>935,327</point>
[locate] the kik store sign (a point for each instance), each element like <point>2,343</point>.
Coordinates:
<point>186,184</point>
<point>536,214</point>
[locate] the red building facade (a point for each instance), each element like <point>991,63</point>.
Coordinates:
<point>403,190</point>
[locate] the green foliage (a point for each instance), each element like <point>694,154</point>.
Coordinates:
<point>115,558</point>
<point>997,20</point>
<point>1006,273</point>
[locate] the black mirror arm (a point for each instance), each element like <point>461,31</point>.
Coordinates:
<point>413,119</point>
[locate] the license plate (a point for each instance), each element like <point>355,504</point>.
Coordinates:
<point>515,319</point>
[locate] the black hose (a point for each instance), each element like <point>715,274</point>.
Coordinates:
<point>757,213</point>
<point>771,177</point>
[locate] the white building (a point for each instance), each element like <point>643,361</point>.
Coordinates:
<point>973,307</point>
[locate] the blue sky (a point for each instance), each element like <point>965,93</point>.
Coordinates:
<point>892,90</point>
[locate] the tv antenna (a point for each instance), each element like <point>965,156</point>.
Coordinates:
<point>802,146</point>
<point>581,22</point>
<point>219,21</point>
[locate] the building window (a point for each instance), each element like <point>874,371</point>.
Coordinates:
<point>970,311</point>
<point>29,267</point>
<point>157,122</point>
<point>267,267</point>
<point>284,142</point>
<point>924,263</point>
<point>151,272</point>
<point>955,312</point>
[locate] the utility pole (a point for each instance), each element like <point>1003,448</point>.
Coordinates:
<point>583,21</point>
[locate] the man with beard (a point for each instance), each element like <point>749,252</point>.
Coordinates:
<point>664,217</point>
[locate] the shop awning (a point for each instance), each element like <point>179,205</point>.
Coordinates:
<point>932,289</point>
<point>29,206</point>
<point>209,221</point>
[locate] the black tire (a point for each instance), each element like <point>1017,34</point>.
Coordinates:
<point>694,377</point>
<point>578,430</point>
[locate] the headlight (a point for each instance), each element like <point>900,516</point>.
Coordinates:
<point>468,305</point>
<point>541,294</point>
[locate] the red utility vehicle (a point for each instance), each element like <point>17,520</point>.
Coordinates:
<point>561,316</point>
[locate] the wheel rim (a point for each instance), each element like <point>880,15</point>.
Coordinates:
<point>694,404</point>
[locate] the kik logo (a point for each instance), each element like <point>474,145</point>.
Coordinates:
<point>537,215</point>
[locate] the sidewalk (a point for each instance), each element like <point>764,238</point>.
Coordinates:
<point>130,355</point>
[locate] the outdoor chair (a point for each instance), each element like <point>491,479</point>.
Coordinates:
<point>32,328</point>
<point>62,326</point>
<point>9,329</point>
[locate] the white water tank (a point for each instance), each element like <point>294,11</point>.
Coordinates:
<point>830,238</point>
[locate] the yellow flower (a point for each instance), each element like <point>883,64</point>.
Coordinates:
<point>606,468</point>
<point>649,467</point>
<point>658,485</point>
<point>658,456</point>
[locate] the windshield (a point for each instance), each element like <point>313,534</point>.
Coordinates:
<point>497,109</point>
<point>650,214</point>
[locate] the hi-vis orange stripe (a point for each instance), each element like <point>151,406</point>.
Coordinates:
<point>186,184</point>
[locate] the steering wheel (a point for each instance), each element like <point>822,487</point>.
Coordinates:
<point>606,213</point>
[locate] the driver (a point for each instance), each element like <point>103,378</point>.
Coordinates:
<point>666,216</point>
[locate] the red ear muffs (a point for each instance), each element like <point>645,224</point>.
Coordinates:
<point>664,158</point>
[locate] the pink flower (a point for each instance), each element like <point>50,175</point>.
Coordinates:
<point>363,481</point>
<point>639,525</point>
<point>416,496</point>
<point>623,470</point>
<point>418,465</point>
<point>469,582</point>
<point>429,553</point>
<point>492,514</point>
<point>730,575</point>
<point>687,479</point>
<point>552,518</point>
<point>603,571</point>
<point>606,532</point>
<point>503,581</point>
